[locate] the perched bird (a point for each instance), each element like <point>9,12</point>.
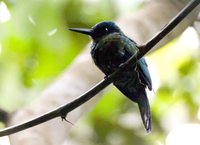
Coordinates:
<point>111,48</point>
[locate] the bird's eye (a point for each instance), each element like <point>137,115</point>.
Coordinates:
<point>106,29</point>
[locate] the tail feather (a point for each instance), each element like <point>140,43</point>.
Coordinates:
<point>143,104</point>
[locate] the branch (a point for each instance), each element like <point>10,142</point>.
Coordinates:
<point>62,111</point>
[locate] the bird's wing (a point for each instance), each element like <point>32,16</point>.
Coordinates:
<point>142,67</point>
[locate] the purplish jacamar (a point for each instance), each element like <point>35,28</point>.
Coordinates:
<point>111,48</point>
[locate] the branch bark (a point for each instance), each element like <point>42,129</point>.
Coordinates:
<point>77,80</point>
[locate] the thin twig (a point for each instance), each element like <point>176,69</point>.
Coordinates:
<point>62,111</point>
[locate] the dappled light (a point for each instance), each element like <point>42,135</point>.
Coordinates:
<point>52,32</point>
<point>184,134</point>
<point>4,13</point>
<point>190,38</point>
<point>4,140</point>
<point>32,21</point>
<point>36,48</point>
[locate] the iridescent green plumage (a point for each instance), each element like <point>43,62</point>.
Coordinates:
<point>110,49</point>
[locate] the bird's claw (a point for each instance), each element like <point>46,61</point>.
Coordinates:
<point>121,66</point>
<point>105,77</point>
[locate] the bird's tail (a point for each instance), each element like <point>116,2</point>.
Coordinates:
<point>143,104</point>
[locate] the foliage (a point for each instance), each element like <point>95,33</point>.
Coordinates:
<point>35,48</point>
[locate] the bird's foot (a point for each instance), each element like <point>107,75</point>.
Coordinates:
<point>105,77</point>
<point>121,66</point>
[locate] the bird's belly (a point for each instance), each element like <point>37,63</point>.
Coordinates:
<point>129,84</point>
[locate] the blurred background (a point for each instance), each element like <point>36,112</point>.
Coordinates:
<point>35,48</point>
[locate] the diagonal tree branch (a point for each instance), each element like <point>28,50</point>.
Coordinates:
<point>65,109</point>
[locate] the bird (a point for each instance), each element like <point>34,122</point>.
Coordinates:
<point>110,48</point>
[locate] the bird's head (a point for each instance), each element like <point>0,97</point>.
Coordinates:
<point>99,30</point>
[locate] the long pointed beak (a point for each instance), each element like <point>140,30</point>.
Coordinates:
<point>81,30</point>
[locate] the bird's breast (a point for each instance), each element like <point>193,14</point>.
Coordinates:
<point>110,52</point>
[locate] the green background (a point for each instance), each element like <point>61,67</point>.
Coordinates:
<point>35,48</point>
